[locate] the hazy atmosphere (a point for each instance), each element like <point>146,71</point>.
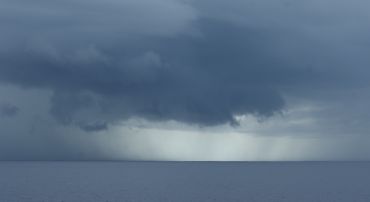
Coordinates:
<point>184,80</point>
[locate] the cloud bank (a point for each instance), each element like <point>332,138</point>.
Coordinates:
<point>199,63</point>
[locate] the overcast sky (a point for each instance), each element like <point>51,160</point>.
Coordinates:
<point>184,80</point>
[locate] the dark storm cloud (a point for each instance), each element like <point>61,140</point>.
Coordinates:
<point>204,79</point>
<point>198,65</point>
<point>8,110</point>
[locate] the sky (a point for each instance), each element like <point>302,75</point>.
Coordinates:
<point>210,80</point>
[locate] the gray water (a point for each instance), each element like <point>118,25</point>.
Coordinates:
<point>184,181</point>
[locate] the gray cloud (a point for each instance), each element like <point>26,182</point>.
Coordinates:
<point>8,110</point>
<point>93,127</point>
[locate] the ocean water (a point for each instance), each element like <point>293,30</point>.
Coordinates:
<point>184,181</point>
